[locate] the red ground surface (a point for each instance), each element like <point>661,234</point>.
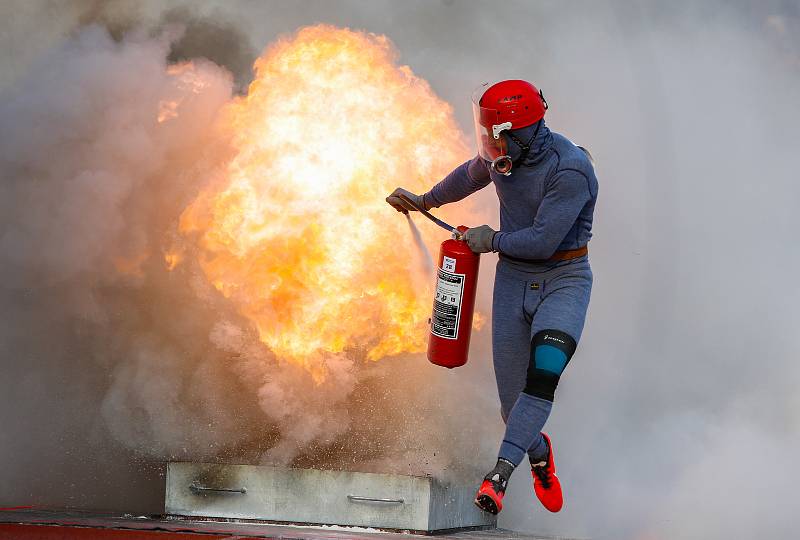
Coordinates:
<point>19,531</point>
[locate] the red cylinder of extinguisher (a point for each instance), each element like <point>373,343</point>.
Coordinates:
<point>454,303</point>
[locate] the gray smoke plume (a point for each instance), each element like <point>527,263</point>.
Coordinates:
<point>89,185</point>
<point>678,416</point>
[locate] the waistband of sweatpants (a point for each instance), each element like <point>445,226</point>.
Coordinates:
<point>558,256</point>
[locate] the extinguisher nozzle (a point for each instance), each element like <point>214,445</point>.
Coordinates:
<point>458,232</point>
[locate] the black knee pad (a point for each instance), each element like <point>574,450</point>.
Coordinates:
<point>551,351</point>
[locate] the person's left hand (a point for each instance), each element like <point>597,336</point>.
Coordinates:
<point>479,239</point>
<point>402,206</point>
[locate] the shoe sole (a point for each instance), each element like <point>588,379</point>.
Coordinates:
<point>486,503</point>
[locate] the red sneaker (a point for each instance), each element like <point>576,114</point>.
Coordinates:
<point>490,497</point>
<point>545,482</point>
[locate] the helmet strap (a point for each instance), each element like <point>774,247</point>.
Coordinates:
<point>525,147</point>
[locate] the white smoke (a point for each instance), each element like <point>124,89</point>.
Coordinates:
<point>676,419</point>
<point>425,262</point>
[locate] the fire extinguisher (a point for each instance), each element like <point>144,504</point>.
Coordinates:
<point>454,302</point>
<point>454,299</point>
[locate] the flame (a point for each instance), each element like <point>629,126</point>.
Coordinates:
<point>172,259</point>
<point>187,80</point>
<point>478,320</point>
<point>298,235</point>
<point>167,110</point>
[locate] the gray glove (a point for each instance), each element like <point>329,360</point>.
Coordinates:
<point>479,239</point>
<point>402,206</point>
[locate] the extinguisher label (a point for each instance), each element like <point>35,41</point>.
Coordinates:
<point>447,304</point>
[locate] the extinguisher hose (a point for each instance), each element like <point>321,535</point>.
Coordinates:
<point>405,195</point>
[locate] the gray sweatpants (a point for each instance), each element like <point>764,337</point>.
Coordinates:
<point>529,298</point>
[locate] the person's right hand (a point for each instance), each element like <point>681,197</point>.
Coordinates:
<point>402,206</point>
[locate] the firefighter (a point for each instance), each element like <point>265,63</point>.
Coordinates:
<point>547,189</point>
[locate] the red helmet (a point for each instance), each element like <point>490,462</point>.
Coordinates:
<point>505,105</point>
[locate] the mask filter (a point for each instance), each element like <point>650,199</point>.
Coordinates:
<point>502,165</point>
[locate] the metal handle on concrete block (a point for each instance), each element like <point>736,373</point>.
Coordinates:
<point>203,489</point>
<point>356,498</point>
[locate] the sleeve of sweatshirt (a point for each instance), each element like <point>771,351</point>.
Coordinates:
<point>566,196</point>
<point>465,179</point>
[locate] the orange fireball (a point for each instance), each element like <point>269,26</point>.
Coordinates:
<point>299,236</point>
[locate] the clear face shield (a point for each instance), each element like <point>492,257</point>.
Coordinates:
<point>492,146</point>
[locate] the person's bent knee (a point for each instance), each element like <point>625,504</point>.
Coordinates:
<point>551,351</point>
